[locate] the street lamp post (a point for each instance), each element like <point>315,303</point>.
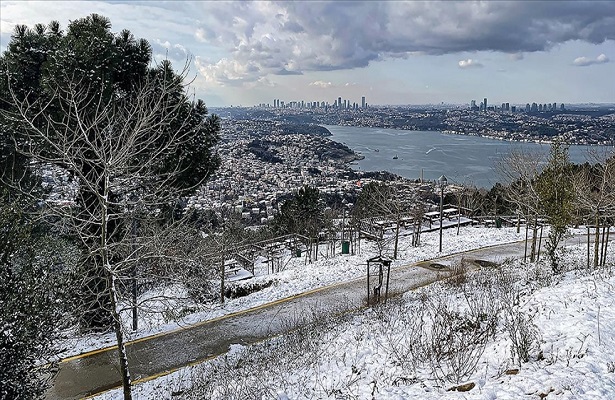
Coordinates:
<point>442,181</point>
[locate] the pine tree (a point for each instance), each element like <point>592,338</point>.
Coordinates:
<point>131,140</point>
<point>556,193</point>
<point>33,295</point>
<point>302,214</point>
<point>45,69</point>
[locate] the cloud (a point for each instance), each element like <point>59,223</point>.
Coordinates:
<point>248,40</point>
<point>284,71</point>
<point>166,50</point>
<point>204,34</point>
<point>228,72</point>
<point>469,63</point>
<point>584,61</point>
<point>516,56</point>
<point>333,35</point>
<point>321,84</point>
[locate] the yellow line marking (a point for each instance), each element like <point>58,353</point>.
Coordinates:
<point>209,321</point>
<point>88,354</point>
<point>200,361</point>
<point>270,304</point>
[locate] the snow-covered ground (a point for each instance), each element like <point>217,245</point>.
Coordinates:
<point>565,322</point>
<point>173,309</point>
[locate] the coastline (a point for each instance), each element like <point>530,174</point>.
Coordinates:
<point>462,158</point>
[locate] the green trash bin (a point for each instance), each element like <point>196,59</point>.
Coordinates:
<point>498,223</point>
<point>345,247</point>
<point>298,252</point>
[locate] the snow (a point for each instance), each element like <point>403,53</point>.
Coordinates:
<point>573,356</point>
<point>171,309</point>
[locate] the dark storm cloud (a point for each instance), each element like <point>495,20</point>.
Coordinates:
<point>317,36</point>
<point>284,71</point>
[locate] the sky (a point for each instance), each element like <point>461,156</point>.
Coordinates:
<point>391,52</point>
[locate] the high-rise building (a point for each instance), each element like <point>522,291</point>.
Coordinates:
<point>485,104</point>
<point>339,102</point>
<point>363,102</point>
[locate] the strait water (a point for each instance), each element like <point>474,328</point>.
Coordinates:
<point>462,158</point>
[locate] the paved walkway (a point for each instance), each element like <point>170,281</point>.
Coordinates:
<point>150,357</point>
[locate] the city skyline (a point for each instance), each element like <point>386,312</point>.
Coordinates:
<point>340,103</point>
<point>247,53</point>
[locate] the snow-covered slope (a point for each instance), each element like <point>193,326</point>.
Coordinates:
<point>566,324</point>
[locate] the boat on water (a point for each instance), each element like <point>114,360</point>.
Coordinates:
<point>395,158</point>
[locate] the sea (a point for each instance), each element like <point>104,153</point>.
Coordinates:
<point>463,159</point>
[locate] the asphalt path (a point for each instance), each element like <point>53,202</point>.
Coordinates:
<point>98,371</point>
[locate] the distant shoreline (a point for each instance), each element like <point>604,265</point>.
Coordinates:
<point>462,158</point>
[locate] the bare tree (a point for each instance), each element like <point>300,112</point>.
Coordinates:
<point>390,203</point>
<point>519,170</point>
<point>594,187</point>
<point>114,149</point>
<point>416,214</point>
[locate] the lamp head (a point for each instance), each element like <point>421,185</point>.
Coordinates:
<point>442,181</point>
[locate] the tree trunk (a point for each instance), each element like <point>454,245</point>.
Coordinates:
<point>396,239</point>
<point>588,246</point>
<point>596,241</point>
<point>358,233</point>
<point>222,277</point>
<point>119,335</point>
<point>606,245</point>
<point>133,277</point>
<point>539,245</point>
<point>527,228</point>
<point>603,248</point>
<point>518,223</point>
<point>95,290</point>
<point>418,235</point>
<point>113,296</point>
<point>534,237</point>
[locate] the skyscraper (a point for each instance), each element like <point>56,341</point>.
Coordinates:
<point>363,102</point>
<point>485,104</point>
